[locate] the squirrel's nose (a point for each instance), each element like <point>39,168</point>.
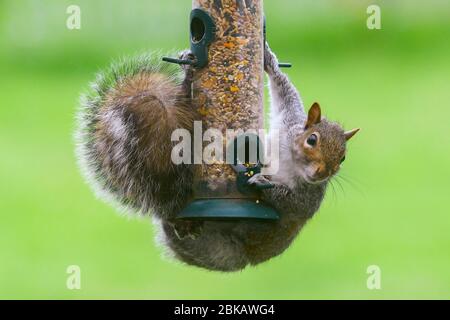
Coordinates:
<point>321,172</point>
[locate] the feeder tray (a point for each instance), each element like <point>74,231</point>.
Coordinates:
<point>222,209</point>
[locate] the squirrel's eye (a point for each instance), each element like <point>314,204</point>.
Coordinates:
<point>312,140</point>
<point>343,159</point>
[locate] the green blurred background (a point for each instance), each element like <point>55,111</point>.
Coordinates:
<point>392,212</point>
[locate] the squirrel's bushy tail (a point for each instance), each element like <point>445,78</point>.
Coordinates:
<point>124,135</point>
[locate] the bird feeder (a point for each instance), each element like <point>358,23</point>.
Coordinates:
<point>227,41</point>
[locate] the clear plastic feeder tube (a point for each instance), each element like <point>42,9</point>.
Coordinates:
<point>228,92</point>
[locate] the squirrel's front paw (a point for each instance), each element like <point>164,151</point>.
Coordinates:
<point>187,55</point>
<point>260,182</point>
<point>270,59</point>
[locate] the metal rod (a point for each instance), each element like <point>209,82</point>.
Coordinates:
<point>178,61</point>
<point>285,65</point>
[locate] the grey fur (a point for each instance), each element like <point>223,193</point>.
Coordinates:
<point>116,163</point>
<point>233,245</point>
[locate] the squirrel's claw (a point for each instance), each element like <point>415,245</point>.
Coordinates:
<point>186,61</point>
<point>270,59</point>
<point>186,229</point>
<point>187,55</point>
<point>260,182</point>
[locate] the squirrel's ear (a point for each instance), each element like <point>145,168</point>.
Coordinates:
<point>314,115</point>
<point>351,133</point>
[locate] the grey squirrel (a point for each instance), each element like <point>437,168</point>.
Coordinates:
<point>124,146</point>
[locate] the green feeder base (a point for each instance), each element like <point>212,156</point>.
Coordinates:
<point>228,209</point>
